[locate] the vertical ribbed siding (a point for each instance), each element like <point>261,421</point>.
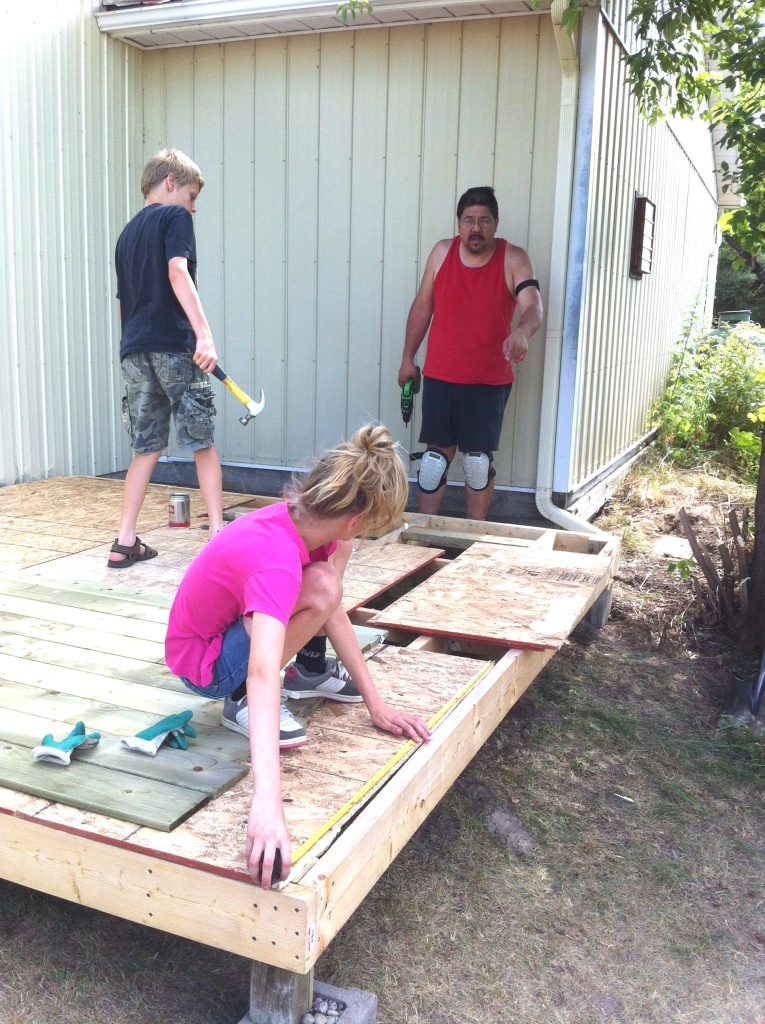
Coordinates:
<point>628,328</point>
<point>333,164</point>
<point>68,126</point>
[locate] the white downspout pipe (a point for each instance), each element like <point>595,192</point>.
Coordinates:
<point>569,63</point>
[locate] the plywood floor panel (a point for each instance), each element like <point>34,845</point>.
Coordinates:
<point>520,598</point>
<point>377,565</point>
<point>79,515</point>
<point>344,750</point>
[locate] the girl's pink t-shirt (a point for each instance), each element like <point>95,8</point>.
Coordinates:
<point>254,565</point>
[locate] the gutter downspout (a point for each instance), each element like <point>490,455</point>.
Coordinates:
<point>558,266</point>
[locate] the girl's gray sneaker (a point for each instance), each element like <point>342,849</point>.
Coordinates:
<point>334,684</point>
<point>236,717</point>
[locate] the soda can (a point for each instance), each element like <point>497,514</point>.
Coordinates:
<point>180,510</point>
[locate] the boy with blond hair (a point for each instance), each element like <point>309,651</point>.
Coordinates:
<point>167,348</point>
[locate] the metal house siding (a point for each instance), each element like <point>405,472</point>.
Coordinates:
<point>66,120</point>
<point>333,164</point>
<point>628,328</point>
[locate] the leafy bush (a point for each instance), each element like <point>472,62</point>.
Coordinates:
<point>715,392</point>
<point>746,447</point>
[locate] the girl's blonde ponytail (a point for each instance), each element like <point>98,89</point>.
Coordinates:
<point>364,476</point>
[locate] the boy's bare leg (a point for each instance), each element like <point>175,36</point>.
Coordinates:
<point>211,485</point>
<point>136,483</point>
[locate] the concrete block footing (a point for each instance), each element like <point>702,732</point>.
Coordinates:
<point>361,1007</point>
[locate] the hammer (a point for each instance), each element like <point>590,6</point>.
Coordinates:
<point>253,408</point>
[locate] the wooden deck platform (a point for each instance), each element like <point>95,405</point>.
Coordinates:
<point>161,841</point>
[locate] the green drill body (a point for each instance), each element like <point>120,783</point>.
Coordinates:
<point>409,390</point>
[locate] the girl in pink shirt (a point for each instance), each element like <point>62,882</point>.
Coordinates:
<point>261,590</point>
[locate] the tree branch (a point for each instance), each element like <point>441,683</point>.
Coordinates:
<point>751,261</point>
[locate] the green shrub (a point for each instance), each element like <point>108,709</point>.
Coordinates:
<point>715,392</point>
<point>745,447</point>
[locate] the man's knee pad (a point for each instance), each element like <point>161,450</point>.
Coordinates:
<point>478,470</point>
<point>433,470</point>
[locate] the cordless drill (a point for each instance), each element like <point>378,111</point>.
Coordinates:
<point>409,390</point>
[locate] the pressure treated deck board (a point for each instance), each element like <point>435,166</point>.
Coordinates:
<point>142,801</point>
<point>53,706</point>
<point>519,598</point>
<point>116,666</point>
<point>135,625</point>
<point>82,639</point>
<point>109,600</point>
<point>191,769</point>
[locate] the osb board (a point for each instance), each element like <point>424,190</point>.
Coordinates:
<point>41,521</point>
<point>506,595</point>
<point>160,575</point>
<point>372,568</point>
<point>77,546</point>
<point>375,566</point>
<point>344,750</point>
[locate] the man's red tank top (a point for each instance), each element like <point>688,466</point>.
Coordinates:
<point>472,313</point>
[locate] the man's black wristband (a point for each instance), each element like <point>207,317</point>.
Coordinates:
<point>531,283</point>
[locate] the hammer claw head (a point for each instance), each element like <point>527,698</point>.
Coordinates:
<point>253,409</point>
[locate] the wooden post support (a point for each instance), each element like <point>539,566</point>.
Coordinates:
<point>278,996</point>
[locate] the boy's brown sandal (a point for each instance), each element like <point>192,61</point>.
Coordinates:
<point>132,554</point>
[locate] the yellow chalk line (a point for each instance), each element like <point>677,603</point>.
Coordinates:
<point>398,756</point>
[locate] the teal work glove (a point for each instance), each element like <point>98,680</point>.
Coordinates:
<point>173,730</point>
<point>60,751</point>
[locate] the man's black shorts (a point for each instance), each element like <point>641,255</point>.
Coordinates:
<point>466,415</point>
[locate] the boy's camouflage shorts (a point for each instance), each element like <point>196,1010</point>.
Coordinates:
<point>161,385</point>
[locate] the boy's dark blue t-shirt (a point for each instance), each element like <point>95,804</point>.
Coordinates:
<point>153,319</point>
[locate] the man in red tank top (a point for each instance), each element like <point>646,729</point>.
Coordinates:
<point>468,295</point>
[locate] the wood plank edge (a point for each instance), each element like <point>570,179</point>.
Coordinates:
<point>347,871</point>
<point>516,644</point>
<point>73,868</point>
<point>371,596</point>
